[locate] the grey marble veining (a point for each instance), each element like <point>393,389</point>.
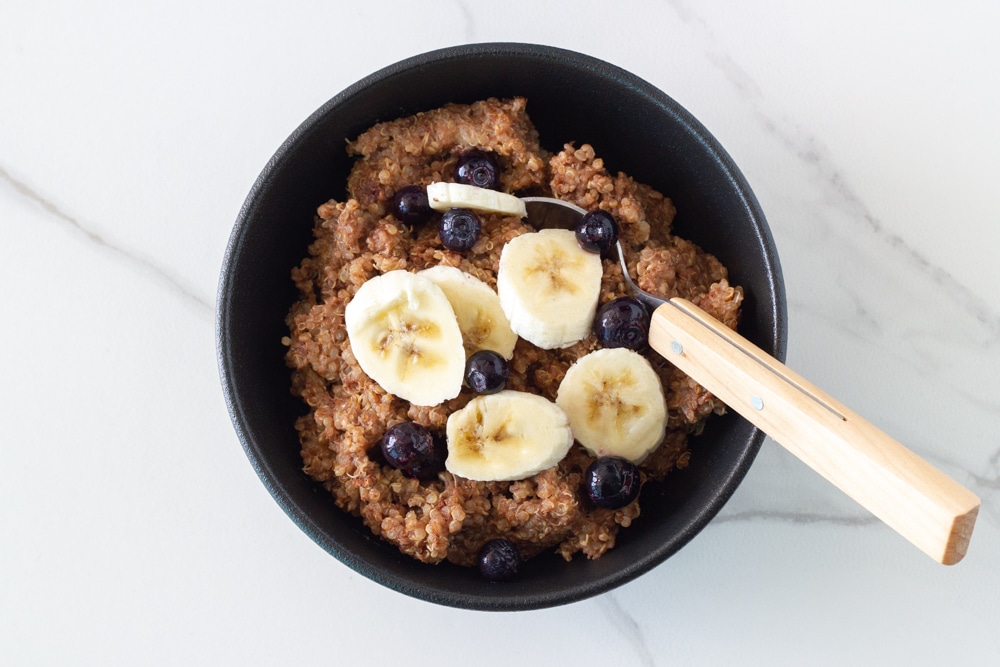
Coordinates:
<point>623,623</point>
<point>83,232</point>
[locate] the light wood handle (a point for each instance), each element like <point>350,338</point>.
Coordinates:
<point>924,505</point>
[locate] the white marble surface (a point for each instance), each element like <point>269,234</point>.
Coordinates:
<point>132,528</point>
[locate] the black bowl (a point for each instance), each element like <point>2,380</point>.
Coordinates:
<point>571,97</point>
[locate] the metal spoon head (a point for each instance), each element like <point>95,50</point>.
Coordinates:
<point>551,213</point>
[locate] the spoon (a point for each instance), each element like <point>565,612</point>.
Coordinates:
<point>920,502</point>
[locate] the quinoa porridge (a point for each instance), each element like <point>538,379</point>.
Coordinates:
<point>449,517</point>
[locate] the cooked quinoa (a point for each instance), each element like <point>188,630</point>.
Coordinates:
<point>449,518</point>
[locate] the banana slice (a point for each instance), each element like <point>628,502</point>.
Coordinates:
<point>549,287</point>
<point>477,307</point>
<point>615,404</point>
<point>405,336</point>
<point>506,436</point>
<point>443,196</point>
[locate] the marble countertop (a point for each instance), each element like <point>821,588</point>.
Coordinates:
<point>134,531</point>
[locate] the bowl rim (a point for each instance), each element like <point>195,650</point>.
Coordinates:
<point>237,409</point>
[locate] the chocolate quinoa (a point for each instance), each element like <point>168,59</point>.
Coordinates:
<point>450,518</point>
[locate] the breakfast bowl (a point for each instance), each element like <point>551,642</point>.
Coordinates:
<point>572,97</point>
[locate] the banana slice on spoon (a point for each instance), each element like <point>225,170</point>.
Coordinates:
<point>443,196</point>
<point>928,508</point>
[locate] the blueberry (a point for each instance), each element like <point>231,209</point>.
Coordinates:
<point>459,229</point>
<point>411,448</point>
<point>410,205</point>
<point>498,560</point>
<point>612,482</point>
<point>479,168</point>
<point>429,468</point>
<point>486,372</point>
<point>623,322</point>
<point>597,232</point>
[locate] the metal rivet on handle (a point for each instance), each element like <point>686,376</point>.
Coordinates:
<point>757,403</point>
<point>676,347</point>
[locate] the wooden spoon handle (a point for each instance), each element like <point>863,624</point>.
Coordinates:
<point>924,505</point>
